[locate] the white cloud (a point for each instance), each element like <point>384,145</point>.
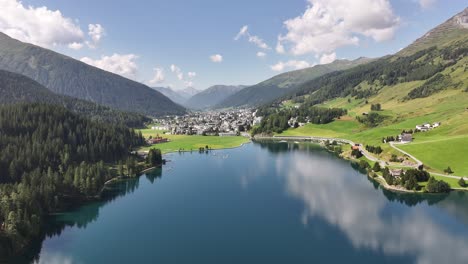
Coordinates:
<point>329,24</point>
<point>259,42</point>
<point>158,76</point>
<point>360,212</point>
<point>96,32</point>
<point>75,45</point>
<point>279,48</point>
<point>244,31</point>
<point>38,25</point>
<point>425,4</point>
<point>328,58</point>
<point>261,54</point>
<point>180,76</point>
<point>216,58</point>
<point>178,72</point>
<point>44,27</point>
<point>124,64</point>
<point>174,68</point>
<point>192,74</point>
<point>292,64</point>
<point>188,84</point>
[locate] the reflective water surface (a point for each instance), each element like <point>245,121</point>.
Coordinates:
<point>262,203</point>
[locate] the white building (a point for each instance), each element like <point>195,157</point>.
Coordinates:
<point>159,128</point>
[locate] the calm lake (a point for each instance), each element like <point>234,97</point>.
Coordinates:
<point>261,203</point>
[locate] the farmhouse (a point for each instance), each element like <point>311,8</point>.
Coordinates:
<point>426,126</point>
<point>406,138</point>
<point>355,147</point>
<point>396,173</point>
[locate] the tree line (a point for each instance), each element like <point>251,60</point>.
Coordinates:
<point>278,120</point>
<point>16,88</point>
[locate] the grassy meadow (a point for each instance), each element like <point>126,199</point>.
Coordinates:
<point>438,148</point>
<point>193,142</point>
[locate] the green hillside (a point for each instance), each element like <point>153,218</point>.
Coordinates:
<point>281,84</point>
<point>67,76</point>
<point>16,88</point>
<point>420,84</point>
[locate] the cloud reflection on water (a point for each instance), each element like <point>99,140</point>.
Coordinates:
<point>356,208</point>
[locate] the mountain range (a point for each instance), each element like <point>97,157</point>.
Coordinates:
<point>16,88</point>
<point>67,76</point>
<point>212,96</point>
<point>426,82</point>
<point>175,96</point>
<point>281,84</point>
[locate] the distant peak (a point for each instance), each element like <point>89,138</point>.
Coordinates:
<point>461,19</point>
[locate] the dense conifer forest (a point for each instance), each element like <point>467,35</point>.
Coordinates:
<point>51,157</point>
<point>17,88</point>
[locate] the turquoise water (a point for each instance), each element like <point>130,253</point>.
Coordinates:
<point>261,203</point>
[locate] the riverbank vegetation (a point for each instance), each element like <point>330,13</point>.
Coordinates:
<point>51,158</point>
<point>415,180</point>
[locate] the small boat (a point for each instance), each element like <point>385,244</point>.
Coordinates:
<point>283,141</point>
<point>296,142</point>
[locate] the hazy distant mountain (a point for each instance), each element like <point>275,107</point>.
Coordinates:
<point>67,76</point>
<point>16,88</point>
<point>188,92</point>
<point>212,96</point>
<point>173,95</point>
<point>279,85</point>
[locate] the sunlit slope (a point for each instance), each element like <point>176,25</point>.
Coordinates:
<point>442,147</point>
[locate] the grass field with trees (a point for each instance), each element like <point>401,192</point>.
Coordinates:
<point>194,142</point>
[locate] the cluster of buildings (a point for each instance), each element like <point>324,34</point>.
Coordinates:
<point>408,137</point>
<point>225,123</point>
<point>426,126</point>
<point>157,140</point>
<point>293,122</point>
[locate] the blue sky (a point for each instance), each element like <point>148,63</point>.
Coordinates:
<point>139,39</point>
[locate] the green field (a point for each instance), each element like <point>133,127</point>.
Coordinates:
<point>150,132</point>
<point>441,153</point>
<point>188,143</point>
<point>439,148</point>
<point>339,128</point>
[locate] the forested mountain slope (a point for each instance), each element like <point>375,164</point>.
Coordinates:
<point>388,96</point>
<point>67,76</point>
<point>16,88</point>
<point>50,157</point>
<point>281,84</point>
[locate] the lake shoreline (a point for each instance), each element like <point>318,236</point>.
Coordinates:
<point>379,179</point>
<point>185,151</point>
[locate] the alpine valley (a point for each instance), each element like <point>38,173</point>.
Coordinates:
<point>359,160</point>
